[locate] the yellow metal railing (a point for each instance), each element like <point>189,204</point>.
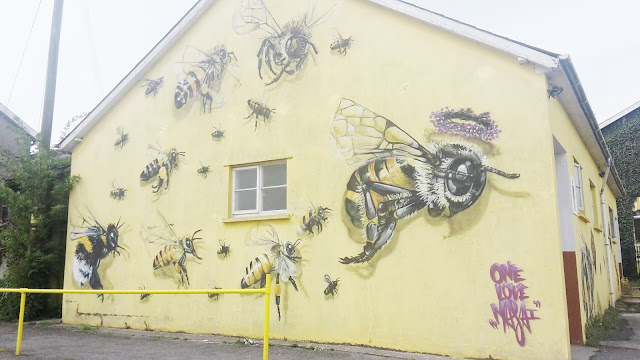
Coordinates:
<point>266,290</point>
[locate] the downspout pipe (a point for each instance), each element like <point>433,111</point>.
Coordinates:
<point>606,232</point>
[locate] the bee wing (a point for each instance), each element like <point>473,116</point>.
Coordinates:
<point>333,32</point>
<point>308,19</point>
<point>287,268</point>
<point>362,135</point>
<point>78,233</point>
<point>255,19</point>
<point>271,239</point>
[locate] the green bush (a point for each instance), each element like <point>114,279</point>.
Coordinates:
<point>600,327</point>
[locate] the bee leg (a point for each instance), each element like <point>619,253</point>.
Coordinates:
<point>315,49</point>
<point>284,68</point>
<point>94,281</point>
<point>252,113</point>
<point>276,290</point>
<point>293,282</point>
<point>268,59</point>
<point>261,55</point>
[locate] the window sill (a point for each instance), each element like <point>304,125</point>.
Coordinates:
<point>257,218</point>
<point>582,216</point>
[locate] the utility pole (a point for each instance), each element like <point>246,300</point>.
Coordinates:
<point>52,68</point>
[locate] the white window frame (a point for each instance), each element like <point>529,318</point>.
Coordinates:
<point>259,188</point>
<point>576,187</point>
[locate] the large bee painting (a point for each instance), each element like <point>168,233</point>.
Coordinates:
<point>207,75</point>
<point>94,242</point>
<point>284,49</point>
<point>173,249</point>
<point>397,176</point>
<point>281,257</point>
<point>161,167</point>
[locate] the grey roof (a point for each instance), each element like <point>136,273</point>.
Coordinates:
<point>5,112</point>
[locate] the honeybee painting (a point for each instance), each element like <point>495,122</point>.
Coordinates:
<point>153,85</point>
<point>282,257</point>
<point>161,167</point>
<point>174,249</point>
<point>317,216</point>
<point>283,49</point>
<point>397,176</point>
<point>259,110</point>
<point>118,191</point>
<point>208,74</point>
<point>122,140</point>
<point>340,45</point>
<point>94,243</point>
<point>332,286</point>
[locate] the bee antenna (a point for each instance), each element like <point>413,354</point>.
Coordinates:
<point>297,242</point>
<point>96,220</point>
<point>501,173</point>
<point>193,237</point>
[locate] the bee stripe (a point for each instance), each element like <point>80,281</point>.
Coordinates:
<point>165,257</point>
<point>194,83</point>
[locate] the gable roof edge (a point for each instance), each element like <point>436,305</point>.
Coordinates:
<point>160,49</point>
<point>518,49</point>
<point>16,120</point>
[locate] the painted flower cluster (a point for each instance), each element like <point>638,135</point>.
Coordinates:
<point>470,126</point>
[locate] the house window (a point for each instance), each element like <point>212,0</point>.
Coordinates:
<point>612,231</point>
<point>259,189</point>
<point>576,185</point>
<point>594,203</point>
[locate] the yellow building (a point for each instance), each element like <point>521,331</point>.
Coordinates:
<point>412,182</point>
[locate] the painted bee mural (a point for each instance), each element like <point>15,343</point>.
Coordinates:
<point>204,170</point>
<point>214,297</point>
<point>340,45</point>
<point>143,296</point>
<point>153,85</point>
<point>224,250</point>
<point>259,110</point>
<point>282,258</point>
<point>398,176</point>
<point>161,166</point>
<point>174,250</point>
<point>332,286</point>
<point>118,192</point>
<point>94,243</point>
<point>217,133</point>
<point>317,216</point>
<point>283,49</point>
<point>122,140</point>
<point>206,74</point>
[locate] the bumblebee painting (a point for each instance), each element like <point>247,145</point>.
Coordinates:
<point>204,170</point>
<point>332,286</point>
<point>317,216</point>
<point>207,74</point>
<point>260,110</point>
<point>224,250</point>
<point>283,49</point>
<point>281,257</point>
<point>118,192</point>
<point>122,139</point>
<point>161,167</point>
<point>397,176</point>
<point>94,243</point>
<point>217,133</point>
<point>174,249</point>
<point>340,45</point>
<point>153,85</point>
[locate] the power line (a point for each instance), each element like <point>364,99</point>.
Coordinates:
<point>24,52</point>
<point>92,47</point>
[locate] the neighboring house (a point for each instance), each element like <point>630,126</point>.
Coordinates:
<point>489,143</point>
<point>11,128</point>
<point>621,133</point>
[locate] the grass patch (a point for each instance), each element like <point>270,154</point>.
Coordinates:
<point>46,323</point>
<point>109,332</point>
<point>600,327</point>
<point>294,345</point>
<point>1,350</point>
<point>175,338</point>
<point>159,337</point>
<point>185,339</point>
<point>88,328</point>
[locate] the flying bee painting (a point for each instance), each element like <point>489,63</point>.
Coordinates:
<point>284,49</point>
<point>332,286</point>
<point>153,86</point>
<point>118,191</point>
<point>94,243</point>
<point>225,249</point>
<point>211,75</point>
<point>217,134</point>
<point>161,167</point>
<point>174,249</point>
<point>143,296</point>
<point>397,176</point>
<point>214,297</point>
<point>259,110</point>
<point>281,257</point>
<point>122,139</point>
<point>317,217</point>
<point>204,170</point>
<point>340,45</point>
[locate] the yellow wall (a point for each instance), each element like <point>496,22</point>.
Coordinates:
<point>430,290</point>
<point>587,225</point>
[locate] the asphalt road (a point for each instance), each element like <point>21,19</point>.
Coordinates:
<point>48,340</point>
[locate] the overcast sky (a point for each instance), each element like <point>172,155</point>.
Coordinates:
<point>103,39</point>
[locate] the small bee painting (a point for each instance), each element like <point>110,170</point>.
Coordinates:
<point>153,85</point>
<point>122,139</point>
<point>224,250</point>
<point>317,217</point>
<point>118,191</point>
<point>260,110</point>
<point>217,133</point>
<point>143,297</point>
<point>214,297</point>
<point>340,45</point>
<point>332,286</point>
<point>204,170</point>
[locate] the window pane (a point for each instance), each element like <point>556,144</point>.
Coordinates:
<point>246,179</point>
<point>274,199</point>
<point>274,175</point>
<point>245,200</point>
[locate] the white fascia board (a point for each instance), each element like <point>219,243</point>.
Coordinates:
<point>21,124</point>
<point>619,115</point>
<point>130,80</point>
<point>472,33</point>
